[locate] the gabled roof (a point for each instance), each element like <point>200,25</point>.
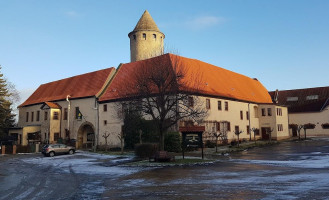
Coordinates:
<point>303,100</point>
<point>146,23</point>
<point>213,80</point>
<point>47,105</point>
<point>85,85</point>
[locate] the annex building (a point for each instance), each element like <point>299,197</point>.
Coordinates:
<point>72,109</point>
<point>306,106</point>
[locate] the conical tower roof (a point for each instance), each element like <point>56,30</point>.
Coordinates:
<point>146,23</point>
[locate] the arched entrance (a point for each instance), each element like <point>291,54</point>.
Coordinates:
<point>86,136</point>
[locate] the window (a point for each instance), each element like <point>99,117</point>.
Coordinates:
<point>248,130</point>
<point>144,36</point>
<point>105,122</point>
<point>38,115</point>
<point>228,126</point>
<point>56,136</point>
<point>312,97</point>
<point>32,116</point>
<point>269,111</point>
<point>55,115</point>
<point>279,111</point>
<point>27,116</point>
<point>236,129</point>
<point>77,111</point>
<point>105,107</point>
<point>247,115</point>
<point>219,105</point>
<point>208,103</point>
<point>256,111</point>
<point>226,105</point>
<point>134,37</point>
<point>292,98</point>
<point>154,36</point>
<point>263,112</point>
<point>15,136</point>
<point>46,115</point>
<point>190,101</point>
<point>241,114</point>
<point>325,126</point>
<point>280,127</point>
<point>65,114</point>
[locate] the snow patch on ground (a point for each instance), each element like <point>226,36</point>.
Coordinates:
<point>312,160</point>
<point>84,163</point>
<point>92,190</point>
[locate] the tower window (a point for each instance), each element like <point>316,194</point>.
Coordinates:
<point>144,36</point>
<point>154,36</point>
<point>134,37</point>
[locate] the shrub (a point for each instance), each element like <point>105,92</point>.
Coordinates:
<point>210,144</point>
<point>173,142</point>
<point>145,150</point>
<point>234,142</point>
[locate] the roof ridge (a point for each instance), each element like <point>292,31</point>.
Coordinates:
<point>303,88</point>
<point>78,75</point>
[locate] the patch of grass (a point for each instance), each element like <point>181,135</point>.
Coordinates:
<point>177,162</point>
<point>116,153</point>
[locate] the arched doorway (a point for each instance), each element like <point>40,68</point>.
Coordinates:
<point>86,136</point>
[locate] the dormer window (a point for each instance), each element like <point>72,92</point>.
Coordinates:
<point>312,97</point>
<point>144,36</point>
<point>292,98</point>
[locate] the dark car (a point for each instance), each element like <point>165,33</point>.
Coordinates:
<point>56,149</point>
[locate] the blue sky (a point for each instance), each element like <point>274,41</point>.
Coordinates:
<point>283,43</point>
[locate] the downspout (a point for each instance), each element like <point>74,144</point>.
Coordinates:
<point>249,121</point>
<point>68,114</point>
<point>97,125</point>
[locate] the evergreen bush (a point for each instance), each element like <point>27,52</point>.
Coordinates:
<point>145,150</point>
<point>173,142</point>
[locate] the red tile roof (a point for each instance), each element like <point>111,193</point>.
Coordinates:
<point>214,81</point>
<point>302,104</point>
<point>52,105</point>
<point>80,86</point>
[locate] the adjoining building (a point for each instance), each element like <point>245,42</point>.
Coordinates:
<point>63,109</point>
<point>84,107</point>
<point>306,106</point>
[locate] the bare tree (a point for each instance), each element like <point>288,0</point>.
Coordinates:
<point>161,90</point>
<point>105,136</point>
<point>308,126</point>
<point>216,135</point>
<point>254,130</point>
<point>121,138</point>
<point>299,128</point>
<point>269,132</point>
<point>237,133</point>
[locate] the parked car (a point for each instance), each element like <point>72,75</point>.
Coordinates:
<point>56,149</point>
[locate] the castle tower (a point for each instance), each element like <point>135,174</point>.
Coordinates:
<point>146,40</point>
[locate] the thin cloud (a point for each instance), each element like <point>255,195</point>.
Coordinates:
<point>204,22</point>
<point>72,13</point>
